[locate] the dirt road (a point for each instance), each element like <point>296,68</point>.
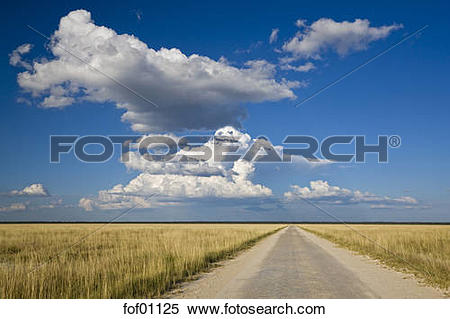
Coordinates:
<point>296,264</point>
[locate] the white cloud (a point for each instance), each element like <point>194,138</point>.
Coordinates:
<point>321,191</point>
<point>87,204</point>
<point>235,185</point>
<point>31,190</point>
<point>328,35</point>
<point>193,92</point>
<point>15,58</point>
<point>308,66</point>
<point>57,101</point>
<point>138,190</point>
<point>13,207</point>
<point>274,35</point>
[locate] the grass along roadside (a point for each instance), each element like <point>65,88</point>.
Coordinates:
<point>426,247</point>
<point>121,261</point>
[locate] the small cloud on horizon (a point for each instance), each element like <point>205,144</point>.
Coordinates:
<point>31,190</point>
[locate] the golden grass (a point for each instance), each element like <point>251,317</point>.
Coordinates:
<point>423,250</point>
<point>120,261</point>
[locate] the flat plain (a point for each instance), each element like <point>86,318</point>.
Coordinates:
<point>119,261</point>
<point>149,260</point>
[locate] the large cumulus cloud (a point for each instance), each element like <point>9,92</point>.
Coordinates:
<point>191,92</point>
<point>139,191</point>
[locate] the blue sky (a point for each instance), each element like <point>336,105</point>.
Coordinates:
<point>403,93</point>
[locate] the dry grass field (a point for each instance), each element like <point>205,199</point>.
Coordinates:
<point>420,249</point>
<point>120,261</point>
